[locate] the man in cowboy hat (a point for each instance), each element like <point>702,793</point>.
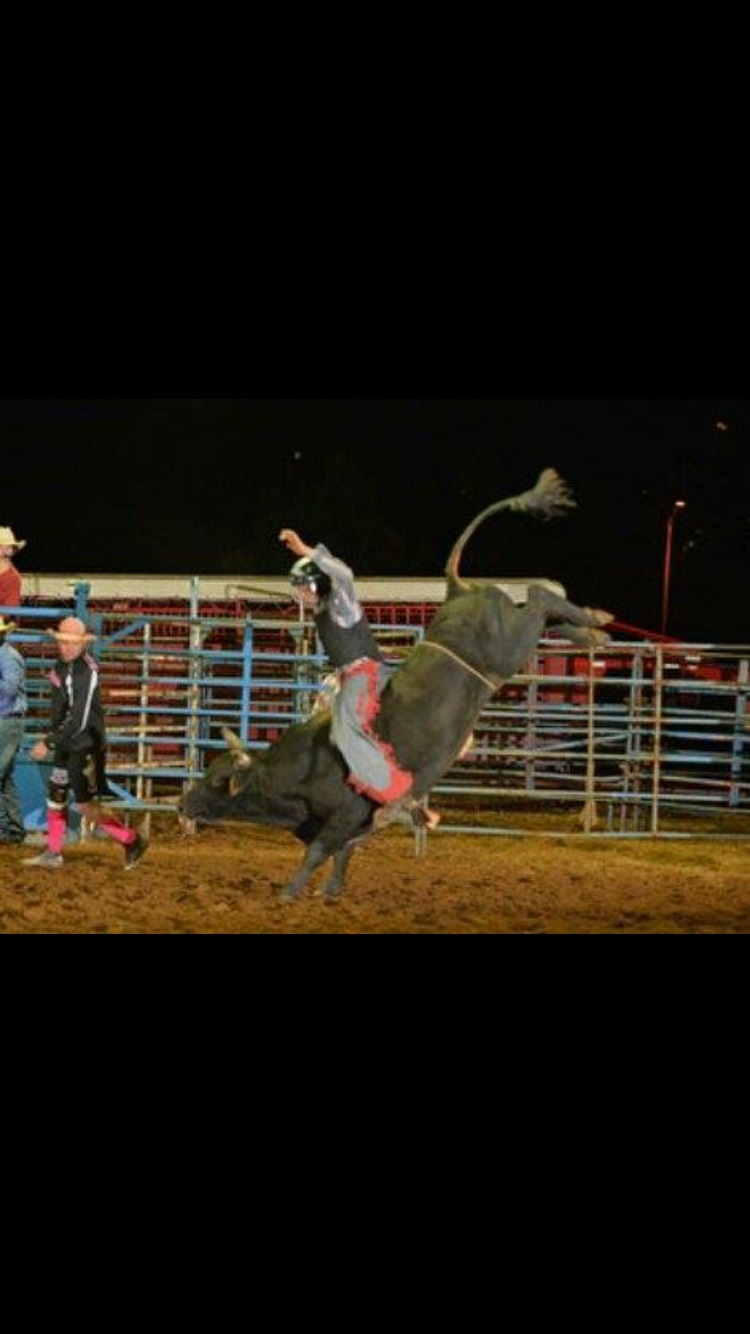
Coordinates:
<point>10,579</point>
<point>12,710</point>
<point>76,744</point>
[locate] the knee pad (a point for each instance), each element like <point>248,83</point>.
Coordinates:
<point>59,786</point>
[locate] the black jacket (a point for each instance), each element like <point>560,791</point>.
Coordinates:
<point>77,714</point>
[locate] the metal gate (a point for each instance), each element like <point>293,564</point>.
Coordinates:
<point>635,737</point>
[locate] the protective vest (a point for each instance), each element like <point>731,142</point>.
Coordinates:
<point>346,645</point>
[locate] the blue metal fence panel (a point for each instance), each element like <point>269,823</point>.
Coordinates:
<point>641,731</point>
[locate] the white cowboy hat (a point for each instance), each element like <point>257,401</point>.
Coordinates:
<point>9,539</point>
<point>6,627</point>
<point>72,631</point>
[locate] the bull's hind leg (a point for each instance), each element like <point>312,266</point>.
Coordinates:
<point>555,608</point>
<point>585,635</point>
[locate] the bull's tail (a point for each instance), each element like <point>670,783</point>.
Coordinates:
<point>549,498</point>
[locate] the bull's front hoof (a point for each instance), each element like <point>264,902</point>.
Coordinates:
<point>330,894</point>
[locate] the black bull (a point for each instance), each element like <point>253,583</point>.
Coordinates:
<point>478,640</point>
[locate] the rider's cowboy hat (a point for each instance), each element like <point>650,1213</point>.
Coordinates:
<point>6,627</point>
<point>9,539</point>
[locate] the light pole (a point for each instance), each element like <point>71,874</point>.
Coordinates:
<point>678,505</point>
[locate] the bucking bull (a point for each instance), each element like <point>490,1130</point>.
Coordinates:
<point>478,640</point>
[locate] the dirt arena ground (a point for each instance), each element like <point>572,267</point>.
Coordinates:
<point>224,883</point>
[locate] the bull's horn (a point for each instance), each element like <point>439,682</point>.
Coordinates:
<point>241,758</point>
<point>232,739</point>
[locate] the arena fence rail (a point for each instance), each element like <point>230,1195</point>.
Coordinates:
<point>645,739</point>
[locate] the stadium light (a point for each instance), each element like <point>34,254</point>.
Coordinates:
<point>676,509</point>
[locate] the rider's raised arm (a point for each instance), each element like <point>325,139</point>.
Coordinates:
<point>345,603</point>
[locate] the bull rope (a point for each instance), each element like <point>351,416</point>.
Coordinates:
<point>491,685</point>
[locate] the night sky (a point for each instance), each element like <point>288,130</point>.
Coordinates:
<point>203,485</point>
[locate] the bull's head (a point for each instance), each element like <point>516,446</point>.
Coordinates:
<point>224,780</point>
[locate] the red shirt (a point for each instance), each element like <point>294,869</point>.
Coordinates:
<point>10,588</point>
